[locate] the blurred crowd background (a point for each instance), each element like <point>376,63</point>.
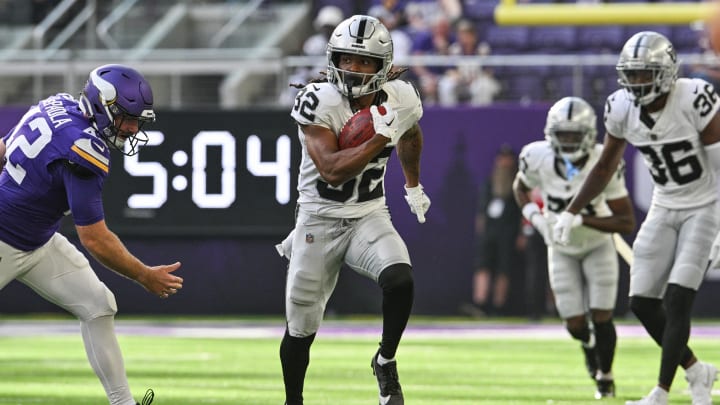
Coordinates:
<point>233,53</point>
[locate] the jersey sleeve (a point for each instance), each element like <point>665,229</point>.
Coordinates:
<point>616,188</point>
<point>92,154</point>
<point>705,102</point>
<point>84,195</point>
<point>614,115</point>
<point>409,107</point>
<point>529,164</point>
<point>315,104</point>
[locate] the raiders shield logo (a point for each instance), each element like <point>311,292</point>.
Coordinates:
<point>309,238</point>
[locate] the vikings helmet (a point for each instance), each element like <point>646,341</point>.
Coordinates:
<point>361,35</point>
<point>651,52</point>
<point>571,128</point>
<point>114,94</point>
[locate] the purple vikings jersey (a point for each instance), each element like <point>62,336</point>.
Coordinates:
<point>56,165</point>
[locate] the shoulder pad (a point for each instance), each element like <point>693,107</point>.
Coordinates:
<point>315,101</point>
<point>405,99</point>
<point>616,110</point>
<point>91,153</point>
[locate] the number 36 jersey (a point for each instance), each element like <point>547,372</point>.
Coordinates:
<point>321,104</point>
<point>669,141</point>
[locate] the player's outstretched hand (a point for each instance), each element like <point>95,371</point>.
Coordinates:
<point>715,253</point>
<point>161,282</point>
<point>418,201</point>
<point>385,121</point>
<point>566,221</point>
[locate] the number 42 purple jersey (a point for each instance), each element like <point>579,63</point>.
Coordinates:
<point>51,137</point>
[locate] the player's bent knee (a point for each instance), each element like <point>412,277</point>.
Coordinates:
<point>577,326</point>
<point>644,307</point>
<point>100,302</point>
<point>396,276</point>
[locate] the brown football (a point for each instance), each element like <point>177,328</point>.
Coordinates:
<point>358,129</point>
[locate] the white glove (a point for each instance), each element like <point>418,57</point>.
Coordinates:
<point>418,201</point>
<point>531,212</point>
<point>385,124</point>
<point>715,253</point>
<point>566,222</point>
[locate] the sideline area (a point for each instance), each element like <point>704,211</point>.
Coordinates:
<point>269,328</point>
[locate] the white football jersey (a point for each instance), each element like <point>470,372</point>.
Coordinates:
<point>321,104</point>
<point>669,141</point>
<point>541,167</point>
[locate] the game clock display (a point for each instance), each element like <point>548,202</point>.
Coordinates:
<point>207,174</point>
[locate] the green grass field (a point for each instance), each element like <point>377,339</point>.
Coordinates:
<point>53,370</point>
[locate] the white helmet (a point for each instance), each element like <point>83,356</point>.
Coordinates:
<point>575,119</point>
<point>360,35</point>
<point>647,51</point>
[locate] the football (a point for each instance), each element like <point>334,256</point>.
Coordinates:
<point>358,129</point>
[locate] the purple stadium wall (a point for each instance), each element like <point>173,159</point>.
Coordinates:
<point>242,274</point>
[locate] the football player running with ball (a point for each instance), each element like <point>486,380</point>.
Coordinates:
<point>583,273</point>
<point>342,216</point>
<point>57,158</point>
<point>675,124</point>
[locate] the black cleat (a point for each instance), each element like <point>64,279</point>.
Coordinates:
<point>148,398</point>
<point>605,389</point>
<point>388,382</point>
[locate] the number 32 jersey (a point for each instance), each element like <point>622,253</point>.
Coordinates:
<point>669,141</point>
<point>321,104</point>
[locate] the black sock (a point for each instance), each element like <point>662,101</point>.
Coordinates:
<point>295,358</point>
<point>606,339</point>
<point>678,304</point>
<point>397,284</point>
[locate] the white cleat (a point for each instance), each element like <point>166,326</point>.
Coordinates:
<point>700,377</point>
<point>657,396</point>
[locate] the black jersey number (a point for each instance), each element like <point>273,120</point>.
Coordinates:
<point>305,103</point>
<point>558,205</point>
<point>366,179</point>
<point>664,166</point>
<point>705,100</point>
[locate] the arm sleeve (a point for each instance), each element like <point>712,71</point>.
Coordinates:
<point>84,193</point>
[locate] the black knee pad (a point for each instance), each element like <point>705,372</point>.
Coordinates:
<point>396,276</point>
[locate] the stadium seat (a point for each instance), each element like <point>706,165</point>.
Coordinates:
<point>560,39</point>
<point>686,39</point>
<point>631,30</point>
<point>480,9</point>
<point>505,40</point>
<point>525,89</point>
<point>601,38</point>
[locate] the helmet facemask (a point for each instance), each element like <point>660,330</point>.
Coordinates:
<point>570,145</point>
<point>124,137</point>
<point>357,84</point>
